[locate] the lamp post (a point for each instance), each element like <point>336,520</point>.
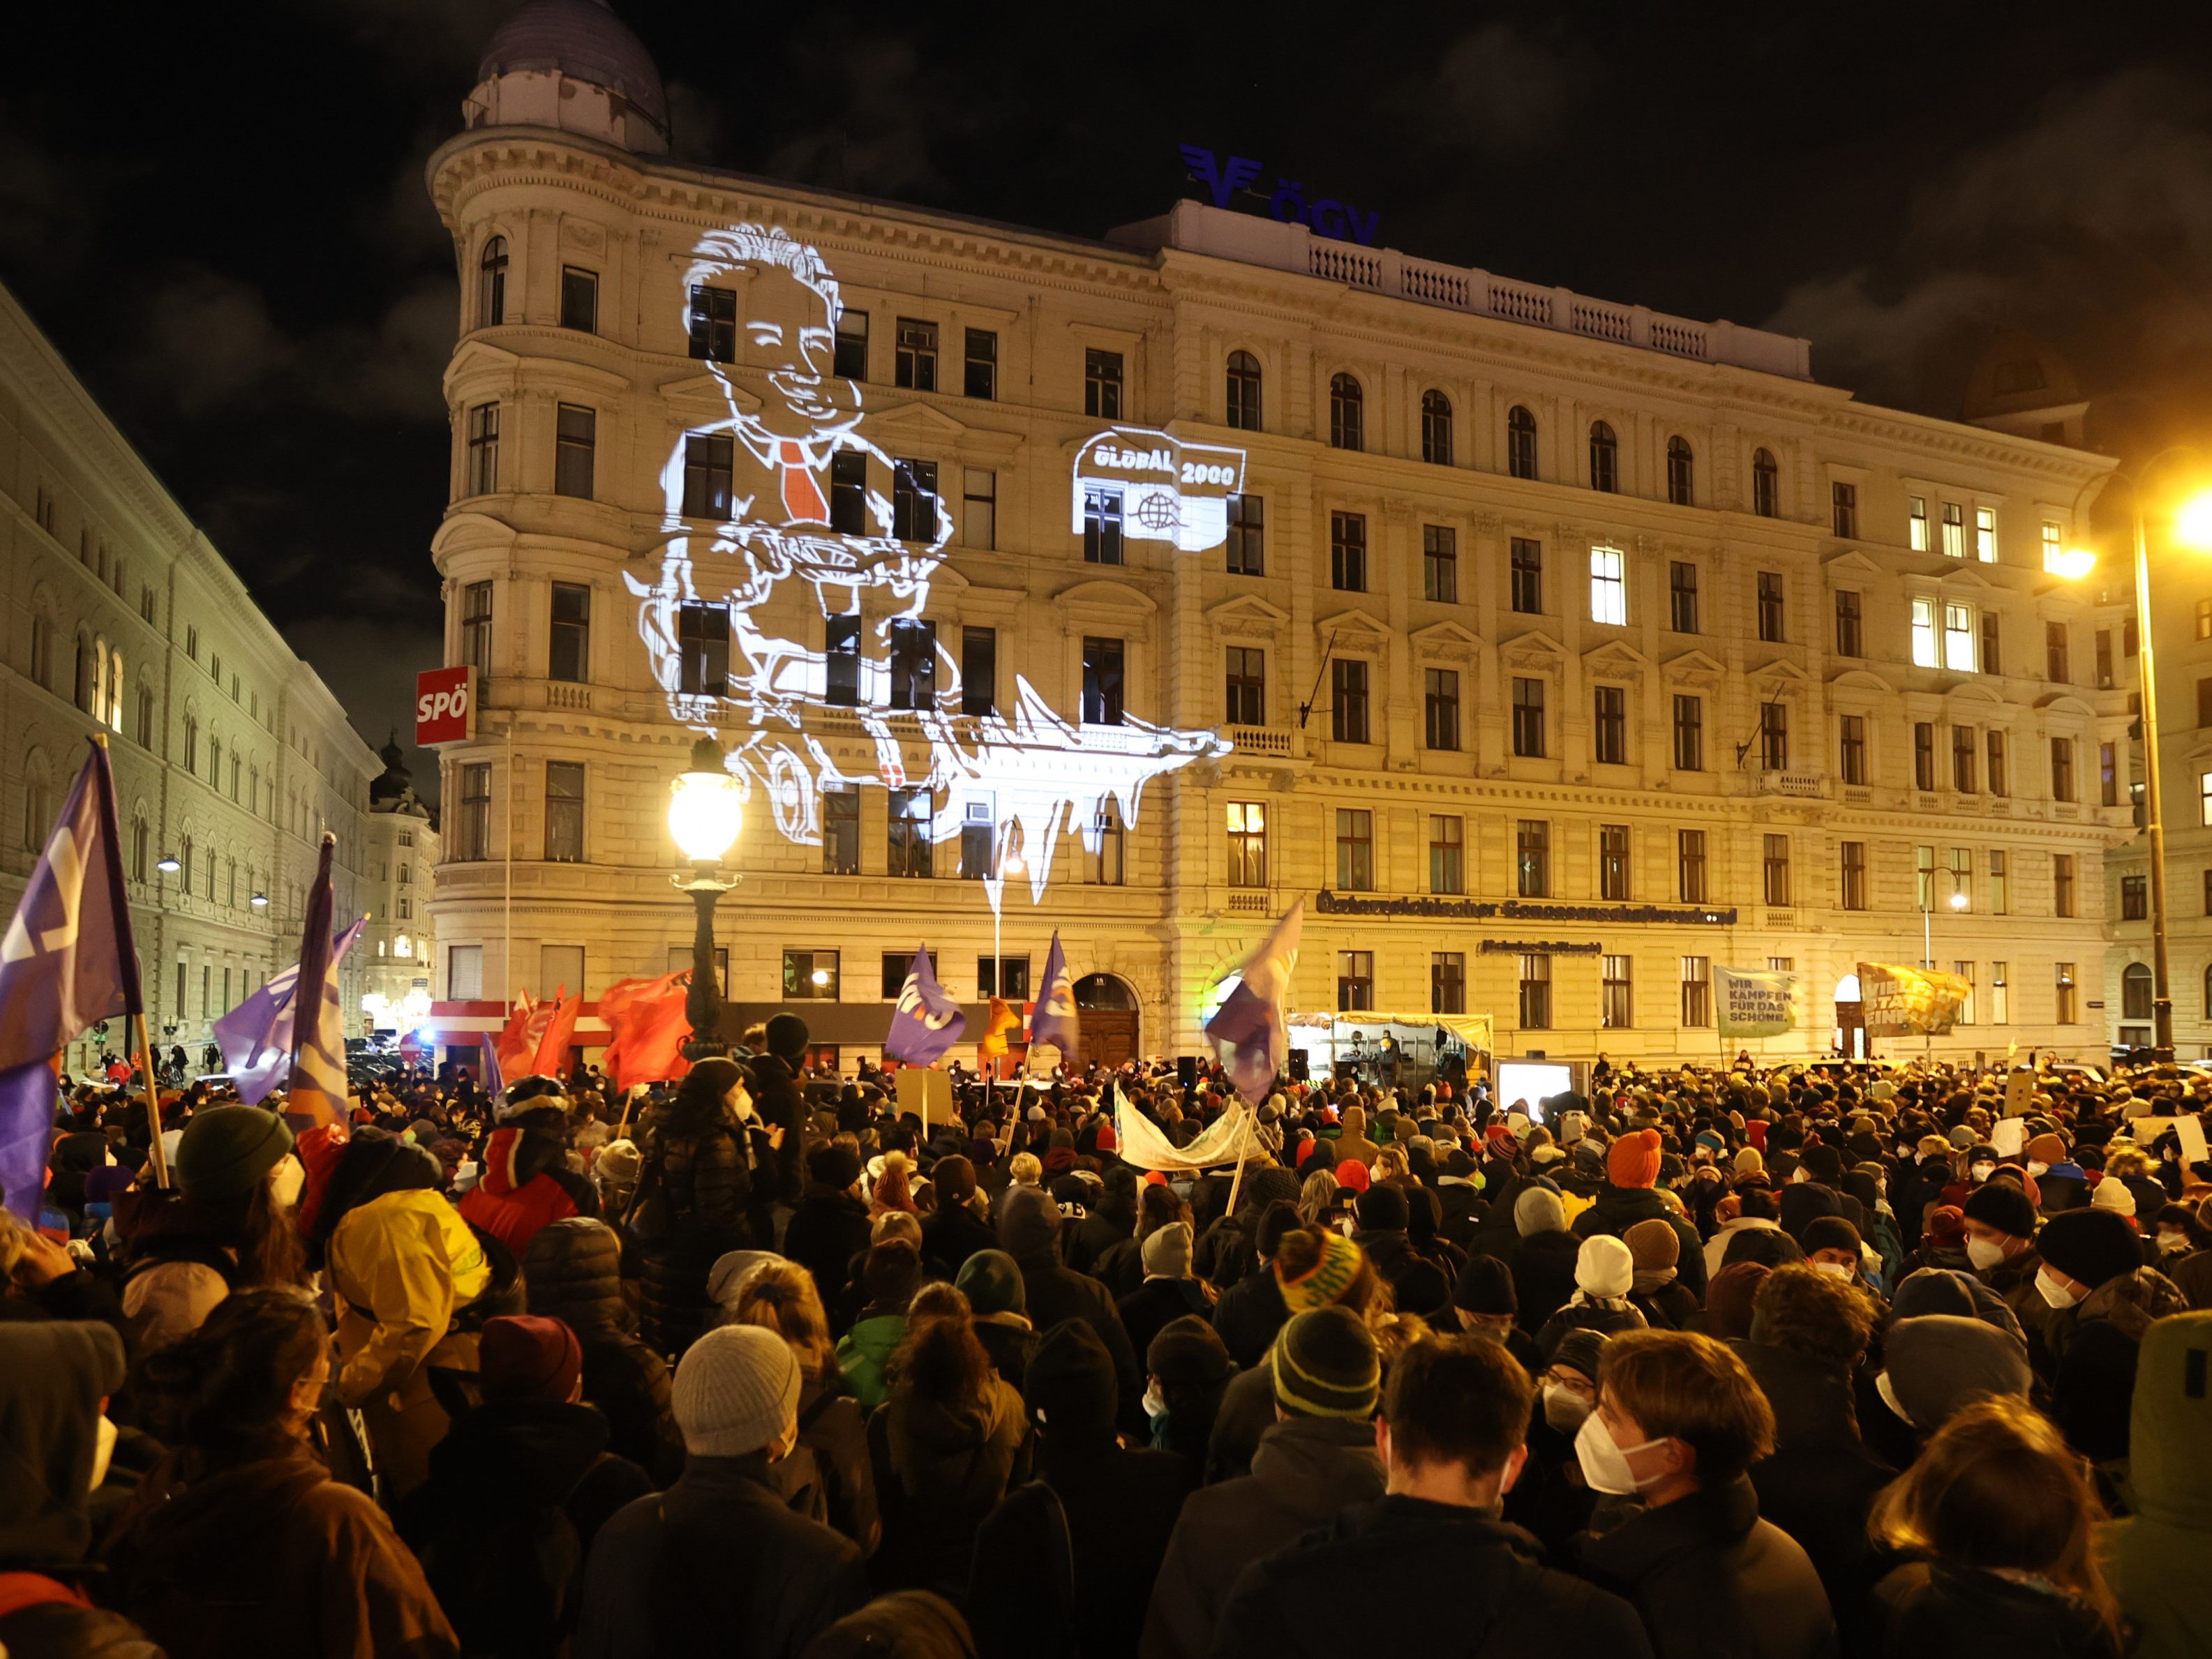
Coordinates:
<point>704,815</point>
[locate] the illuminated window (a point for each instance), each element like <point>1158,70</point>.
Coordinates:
<point>1102,525</point>
<point>1604,457</point>
<point>1690,865</point>
<point>1528,718</point>
<point>2203,619</point>
<point>1985,534</point>
<point>983,364</point>
<point>1347,552</point>
<point>848,492</point>
<point>491,284</point>
<point>1536,993</point>
<point>1355,849</point>
<point>1247,686</point>
<point>1447,983</point>
<point>2066,1013</point>
<point>914,500</point>
<point>1609,724</point>
<point>1248,536</point>
<point>1243,391</point>
<point>2054,544</point>
<point>914,359</point>
<point>576,438</point>
<point>569,652</point>
<point>1441,704</point>
<point>1355,981</point>
<point>702,650</point>
<point>1436,428</point>
<point>1101,384</point>
<point>1770,607</point>
<point>1608,586</point>
<point>1347,700</point>
<point>579,299</point>
<point>1612,862</point>
<point>1525,568</point>
<point>1689,732</point>
<point>841,662</point>
<point>1682,597</point>
<point>2204,798</point>
<point>1347,413</point>
<point>980,506</point>
<point>564,812</point>
<point>979,671</point>
<point>713,324</point>
<point>1926,654</point>
<point>1520,444</point>
<point>913,664</point>
<point>1447,853</point>
<point>1247,843</point>
<point>1532,862</point>
<point>1681,471</point>
<point>707,475</point>
<point>810,975</point>
<point>1954,531</point>
<point>1616,993</point>
<point>1440,564</point>
<point>851,353</point>
<point>476,626</point>
<point>1101,682</point>
<point>1765,484</point>
<point>483,449</point>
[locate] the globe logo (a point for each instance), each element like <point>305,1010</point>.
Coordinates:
<point>1156,512</point>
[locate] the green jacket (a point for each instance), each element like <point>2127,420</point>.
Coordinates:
<point>2155,1557</point>
<point>865,1351</point>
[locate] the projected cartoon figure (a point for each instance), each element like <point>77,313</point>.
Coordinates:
<point>779,495</point>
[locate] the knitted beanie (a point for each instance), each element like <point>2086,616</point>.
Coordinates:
<point>1579,1351</point>
<point>834,1166</point>
<point>2111,1193</point>
<point>992,1282</point>
<point>1828,1232</point>
<point>528,1357</point>
<point>786,1036</point>
<point>225,1151</point>
<point>1633,1160</point>
<point>1353,1174</point>
<point>1325,1364</point>
<point>737,1389</point>
<point>1486,1286</point>
<point>1166,1251</point>
<point>2047,1149</point>
<point>1603,1267</point>
<point>1329,1277</point>
<point>1653,1245</point>
<point>2001,1205</point>
<point>1538,1210</point>
<point>1750,1161</point>
<point>1188,1350</point>
<point>2091,1246</point>
<point>1728,1298</point>
<point>1069,1384</point>
<point>1382,1209</point>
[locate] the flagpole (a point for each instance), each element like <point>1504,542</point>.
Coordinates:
<point>156,1154</point>
<point>1243,1152</point>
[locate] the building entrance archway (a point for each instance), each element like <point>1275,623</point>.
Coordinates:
<point>1112,1018</point>
<point>1850,1018</point>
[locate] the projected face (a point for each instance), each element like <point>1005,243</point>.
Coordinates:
<point>814,512</point>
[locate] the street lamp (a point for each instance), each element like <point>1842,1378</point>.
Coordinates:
<point>704,815</point>
<point>2192,529</point>
<point>259,900</point>
<point>167,864</point>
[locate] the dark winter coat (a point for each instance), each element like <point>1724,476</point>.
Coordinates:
<point>574,1274</point>
<point>1417,1284</point>
<point>1305,1470</point>
<point>782,1104</point>
<point>1543,1267</point>
<point>1484,1594</point>
<point>1933,1610</point>
<point>953,1464</point>
<point>1713,1581</point>
<point>1616,1209</point>
<point>1156,1303</point>
<point>1247,1317</point>
<point>692,1207</point>
<point>2094,1348</point>
<point>1009,1340</point>
<point>950,1234</point>
<point>1052,1292</point>
<point>825,1233</point>
<point>828,1477</point>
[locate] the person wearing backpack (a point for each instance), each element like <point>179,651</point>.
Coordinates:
<point>693,1202</point>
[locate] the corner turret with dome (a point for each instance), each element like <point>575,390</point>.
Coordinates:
<point>574,65</point>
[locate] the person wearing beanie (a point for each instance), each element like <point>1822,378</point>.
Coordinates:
<point>1749,1160</point>
<point>1533,1241</point>
<point>2000,1226</point>
<point>958,1228</point>
<point>1417,1284</point>
<point>1324,1273</point>
<point>1943,1245</point>
<point>1605,1273</point>
<point>1730,1298</point>
<point>694,1197</point>
<point>1188,1368</point>
<point>226,1152</point>
<point>1168,1293</point>
<point>2111,1193</point>
<point>2154,1558</point>
<point>1029,1231</point>
<point>2102,1301</point>
<point>1252,1310</point>
<point>1936,1364</point>
<point>721,1550</point>
<point>525,1181</point>
<point>1632,1168</point>
<point>1454,1422</point>
<point>1833,1246</point>
<point>993,1285</point>
<point>1656,1291</point>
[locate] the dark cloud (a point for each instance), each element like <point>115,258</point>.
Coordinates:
<point>1498,91</point>
<point>370,668</point>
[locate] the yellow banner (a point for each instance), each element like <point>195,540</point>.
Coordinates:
<point>1911,1002</point>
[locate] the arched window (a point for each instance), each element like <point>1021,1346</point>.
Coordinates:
<point>115,689</point>
<point>145,713</point>
<point>1436,428</point>
<point>191,743</point>
<point>88,673</point>
<point>1245,391</point>
<point>2135,991</point>
<point>141,840</point>
<point>1681,471</point>
<point>1605,459</point>
<point>215,758</point>
<point>1347,412</point>
<point>1520,443</point>
<point>184,864</point>
<point>1765,484</point>
<point>38,803</point>
<point>491,284</point>
<point>42,649</point>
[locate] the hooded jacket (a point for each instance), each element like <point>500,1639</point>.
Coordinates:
<point>825,1232</point>
<point>52,1377</point>
<point>1937,1610</point>
<point>1028,1228</point>
<point>952,1463</point>
<point>2094,1350</point>
<point>1305,1470</point>
<point>864,1354</point>
<point>2155,1557</point>
<point>526,1183</point>
<point>693,1205</point>
<point>573,1273</point>
<point>1353,1142</point>
<point>1617,1209</point>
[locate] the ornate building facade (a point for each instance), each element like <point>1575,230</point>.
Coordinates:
<point>1556,652</point>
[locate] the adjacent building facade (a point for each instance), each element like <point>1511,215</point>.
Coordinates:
<point>1554,651</point>
<point>231,758</point>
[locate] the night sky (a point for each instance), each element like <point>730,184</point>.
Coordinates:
<point>218,212</point>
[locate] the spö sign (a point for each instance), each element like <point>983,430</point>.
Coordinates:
<point>1225,176</point>
<point>445,706</point>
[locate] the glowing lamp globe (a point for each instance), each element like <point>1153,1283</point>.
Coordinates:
<point>2074,563</point>
<point>1958,900</point>
<point>704,811</point>
<point>2192,522</point>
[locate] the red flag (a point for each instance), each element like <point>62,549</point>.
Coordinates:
<point>517,1043</point>
<point>649,1025</point>
<point>558,1032</point>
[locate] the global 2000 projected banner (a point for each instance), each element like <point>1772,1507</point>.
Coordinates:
<point>795,572</point>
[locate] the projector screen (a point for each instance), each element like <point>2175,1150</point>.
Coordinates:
<point>1521,1079</point>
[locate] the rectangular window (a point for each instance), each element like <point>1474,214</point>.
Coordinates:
<point>848,492</point>
<point>1689,732</point>
<point>484,450</point>
<point>1844,509</point>
<point>1963,745</point>
<point>841,662</point>
<point>2000,774</point>
<point>979,838</point>
<point>2000,998</point>
<point>1248,536</point>
<point>1609,724</point>
<point>1992,644</point>
<point>1682,597</point>
<point>476,626</point>
<point>464,973</point>
<point>1924,871</point>
<point>909,849</point>
<point>1525,566</point>
<point>1985,534</point>
<point>1528,718</point>
<point>852,359</point>
<point>473,842</point>
<point>810,975</point>
<point>1447,853</point>
<point>1533,859</point>
<point>1924,755</point>
<point>2065,989</point>
<point>2000,896</point>
<point>2061,884</point>
<point>1917,523</point>
<point>2104,659</point>
<point>1954,531</point>
<point>1769,605</point>
<point>840,830</point>
<point>895,965</point>
<point>1355,849</point>
<point>979,524</point>
<point>913,362</point>
<point>1926,653</point>
<point>1003,976</point>
<point>1966,970</point>
<point>1347,552</point>
<point>1690,865</point>
<point>1355,981</point>
<point>982,379</point>
<point>1853,751</point>
<point>1440,564</point>
<point>1102,525</point>
<point>1247,843</point>
<point>1348,700</point>
<point>1101,384</point>
<point>1959,638</point>
<point>579,299</point>
<point>575,444</point>
<point>1536,993</point>
<point>2054,544</point>
<point>979,671</point>
<point>1101,681</point>
<point>1776,866</point>
<point>2062,769</point>
<point>1697,991</point>
<point>569,654</point>
<point>914,500</point>
<point>2056,659</point>
<point>1850,633</point>
<point>1608,586</point>
<point>702,650</point>
<point>1616,993</point>
<point>707,475</point>
<point>1612,862</point>
<point>2134,898</point>
<point>713,324</point>
<point>1774,737</point>
<point>2203,619</point>
<point>1247,698</point>
<point>564,812</point>
<point>1440,691</point>
<point>1447,983</point>
<point>1851,883</point>
<point>913,664</point>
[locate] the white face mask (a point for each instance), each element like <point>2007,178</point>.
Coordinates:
<point>1889,1398</point>
<point>2036,1169</point>
<point>1564,1409</point>
<point>1799,1174</point>
<point>1155,1407</point>
<point>1604,1461</point>
<point>286,1181</point>
<point>2052,1292</point>
<point>1985,1253</point>
<point>1980,1171</point>
<point>2173,1243</point>
<point>1833,1269</point>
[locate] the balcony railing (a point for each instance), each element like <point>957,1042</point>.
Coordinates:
<point>1256,740</point>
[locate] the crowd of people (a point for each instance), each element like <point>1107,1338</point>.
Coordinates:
<point>1838,1361</point>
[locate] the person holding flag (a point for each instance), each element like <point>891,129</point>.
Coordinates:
<point>926,1021</point>
<point>1056,1023</point>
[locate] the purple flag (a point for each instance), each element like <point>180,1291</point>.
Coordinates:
<point>926,1021</point>
<point>256,1037</point>
<point>488,1073</point>
<point>1054,1020</point>
<point>66,962</point>
<point>1249,1029</point>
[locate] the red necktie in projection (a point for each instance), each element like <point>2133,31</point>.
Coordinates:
<point>802,497</point>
